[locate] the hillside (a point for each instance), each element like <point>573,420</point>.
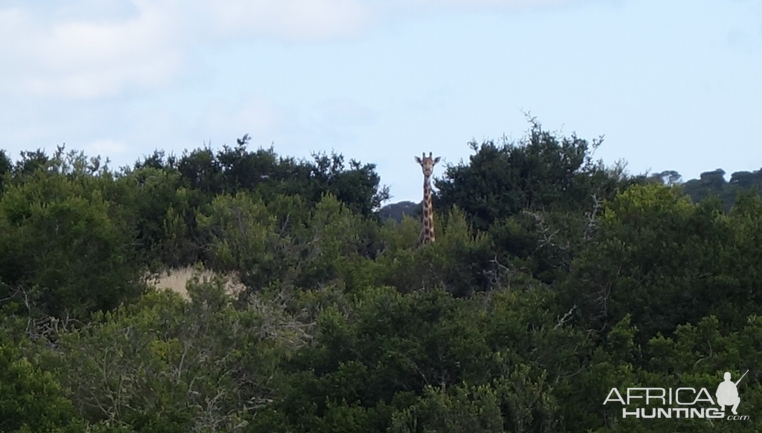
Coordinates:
<point>713,184</point>
<point>710,183</point>
<point>555,284</point>
<point>397,210</point>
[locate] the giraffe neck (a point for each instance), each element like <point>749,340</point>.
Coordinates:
<point>427,234</point>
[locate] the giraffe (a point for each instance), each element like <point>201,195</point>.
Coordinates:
<point>427,233</point>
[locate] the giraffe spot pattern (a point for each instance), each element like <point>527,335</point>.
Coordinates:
<point>427,234</point>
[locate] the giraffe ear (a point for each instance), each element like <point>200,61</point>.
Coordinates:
<point>436,160</point>
<point>418,160</point>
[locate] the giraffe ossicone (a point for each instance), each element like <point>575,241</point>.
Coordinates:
<point>427,166</point>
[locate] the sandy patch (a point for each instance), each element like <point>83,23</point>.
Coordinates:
<point>176,280</point>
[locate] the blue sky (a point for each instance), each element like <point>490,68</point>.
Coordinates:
<point>671,84</point>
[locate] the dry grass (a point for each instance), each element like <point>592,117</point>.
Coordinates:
<point>176,280</point>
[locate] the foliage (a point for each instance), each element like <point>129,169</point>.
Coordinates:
<point>668,262</point>
<point>30,399</point>
<point>553,279</point>
<point>541,172</point>
<point>60,248</point>
<point>713,184</point>
<point>168,365</point>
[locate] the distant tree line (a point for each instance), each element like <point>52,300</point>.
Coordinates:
<point>554,278</point>
<point>713,183</point>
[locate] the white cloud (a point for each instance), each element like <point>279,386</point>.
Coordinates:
<point>296,20</point>
<point>425,7</point>
<point>85,59</point>
<point>489,3</point>
<point>83,52</point>
<point>89,49</point>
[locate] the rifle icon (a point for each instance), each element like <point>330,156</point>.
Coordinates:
<point>739,379</point>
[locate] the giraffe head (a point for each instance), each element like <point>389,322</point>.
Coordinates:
<point>427,163</point>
